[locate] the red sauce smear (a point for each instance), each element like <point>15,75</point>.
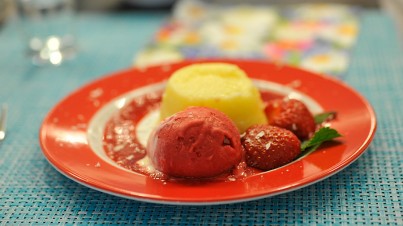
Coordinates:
<point>120,141</point>
<point>123,147</point>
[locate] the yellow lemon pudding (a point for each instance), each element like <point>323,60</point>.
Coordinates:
<point>221,86</point>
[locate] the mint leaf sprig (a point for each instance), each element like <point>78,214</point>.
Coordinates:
<point>322,135</point>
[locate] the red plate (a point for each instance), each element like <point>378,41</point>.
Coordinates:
<point>65,138</point>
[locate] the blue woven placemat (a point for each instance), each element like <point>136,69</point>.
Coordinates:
<point>370,191</point>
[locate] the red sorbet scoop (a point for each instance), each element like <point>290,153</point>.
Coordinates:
<point>198,142</point>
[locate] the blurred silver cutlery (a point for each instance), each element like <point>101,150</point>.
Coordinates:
<point>3,121</point>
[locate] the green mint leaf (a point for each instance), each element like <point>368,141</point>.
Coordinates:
<point>322,135</point>
<point>322,117</point>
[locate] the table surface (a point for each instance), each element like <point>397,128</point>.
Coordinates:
<point>370,191</point>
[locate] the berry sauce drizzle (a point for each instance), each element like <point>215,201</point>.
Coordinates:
<point>120,140</point>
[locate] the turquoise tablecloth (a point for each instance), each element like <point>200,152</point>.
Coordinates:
<point>370,191</point>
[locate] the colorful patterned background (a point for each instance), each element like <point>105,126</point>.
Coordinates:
<point>316,37</point>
